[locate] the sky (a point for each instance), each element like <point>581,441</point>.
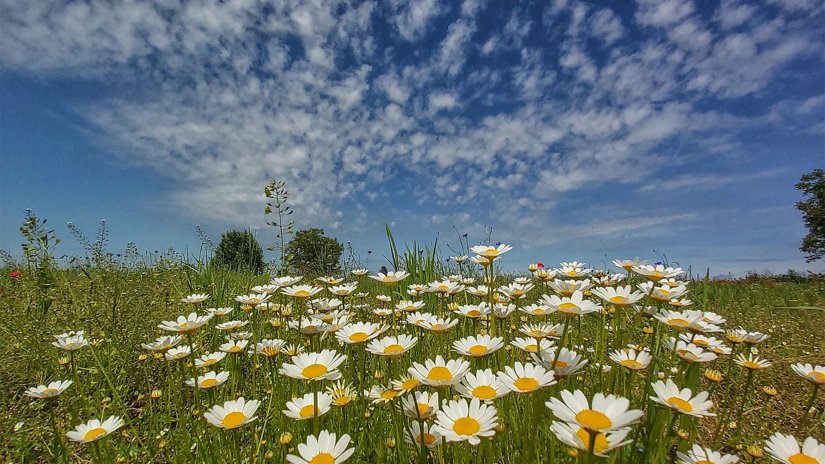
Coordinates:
<point>595,130</point>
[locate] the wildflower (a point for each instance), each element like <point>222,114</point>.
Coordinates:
<point>530,345</point>
<point>185,324</point>
<point>482,384</point>
<point>342,393</point>
<point>537,309</point>
<point>619,296</point>
<point>409,305</point>
<point>304,407</point>
<point>668,394</point>
<point>209,380</point>
<point>392,346</point>
<point>811,373</point>
<point>526,378</point>
<point>477,346</point>
<point>178,353</point>
<point>572,306</point>
<point>326,448</point>
<point>568,287</point>
<point>234,346</point>
<point>71,342</point>
<point>690,352</point>
<point>269,347</point>
<point>656,272</point>
<point>459,420</point>
<point>94,429</point>
<point>301,291</point>
<point>713,375</point>
<point>252,299</point>
<point>195,298</point>
<point>752,362</point>
<point>431,437</point>
<point>631,359</point>
<point>52,390</point>
<point>360,332</point>
<point>607,413</point>
<point>210,359</point>
<point>628,264</point>
<point>490,252</point>
<point>568,362</point>
<point>580,438</point>
<point>542,330</point>
<point>406,384</point>
<point>439,373</point>
<point>390,278</point>
<point>231,325</point>
<point>785,449</point>
<point>380,394</point>
<point>314,366</point>
<point>15,274</point>
<point>474,311</point>
<point>701,455</point>
<point>232,414</point>
<point>421,405</point>
<point>360,272</point>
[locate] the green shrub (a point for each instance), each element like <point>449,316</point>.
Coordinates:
<point>239,251</point>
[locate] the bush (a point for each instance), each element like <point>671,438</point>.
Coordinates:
<point>313,253</point>
<point>239,251</point>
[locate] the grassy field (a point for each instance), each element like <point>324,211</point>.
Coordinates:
<point>119,309</point>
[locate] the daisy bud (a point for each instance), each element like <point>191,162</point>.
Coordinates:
<point>155,394</point>
<point>269,455</point>
<point>713,375</point>
<point>63,361</point>
<point>285,438</point>
<point>770,391</point>
<point>390,443</point>
<point>755,451</point>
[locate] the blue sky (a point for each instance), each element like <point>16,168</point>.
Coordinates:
<point>576,130</point>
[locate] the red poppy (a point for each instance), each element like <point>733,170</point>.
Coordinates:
<point>15,274</point>
<point>540,265</point>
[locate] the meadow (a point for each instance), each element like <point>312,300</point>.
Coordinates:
<point>438,362</point>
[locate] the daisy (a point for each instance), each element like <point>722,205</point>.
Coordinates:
<point>474,311</point>
<point>304,408</point>
<point>420,405</point>
<point>516,291</point>
<point>285,281</point>
<point>323,449</point>
<point>185,324</point>
<point>219,311</point>
<point>540,330</point>
<point>234,346</point>
<point>301,291</point>
<point>72,342</point>
<point>572,306</point>
<point>292,350</point>
<point>419,318</point>
<point>546,275</point>
<point>314,366</point>
<point>785,449</point>
<point>307,325</point>
<point>439,324</point>
<point>537,310</point>
<point>669,395</point>
<point>811,373</point>
<point>195,298</point>
<point>628,264</point>
<point>360,332</point>
<point>94,429</point>
<point>481,260</point>
<point>530,345</point>
<point>252,299</point>
<point>631,359</point>
<point>526,378</point>
<point>569,362</point>
<point>490,252</point>
<point>483,384</point>
<point>360,272</point>
<point>342,393</point>
<point>459,259</point>
<point>209,380</point>
<point>569,287</point>
<point>232,414</point>
<point>390,278</point>
<point>236,336</point>
<point>269,347</point>
<point>324,304</point>
<point>619,296</point>
<point>579,437</point>
<point>178,353</point>
<point>481,290</point>
<point>379,394</point>
<point>477,346</point>
<point>662,293</point>
<point>574,272</point>
<point>406,384</point>
<point>48,391</point>
<point>163,344</point>
<point>752,362</point>
<point>690,352</point>
<point>392,346</point>
<point>607,413</point>
<point>656,272</point>
<point>231,325</point>
<point>210,359</point>
<point>343,290</point>
<point>431,436</point>
<point>439,373</point>
<point>678,320</point>
<point>329,280</point>
<point>446,287</point>
<point>409,305</point>
<point>701,455</point>
<point>462,421</point>
<point>501,311</point>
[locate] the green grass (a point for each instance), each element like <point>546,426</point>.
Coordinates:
<point>122,307</point>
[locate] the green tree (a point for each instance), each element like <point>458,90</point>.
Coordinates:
<point>812,185</point>
<point>313,253</point>
<point>239,251</point>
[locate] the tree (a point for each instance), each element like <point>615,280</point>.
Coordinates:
<point>239,251</point>
<point>812,207</point>
<point>313,253</point>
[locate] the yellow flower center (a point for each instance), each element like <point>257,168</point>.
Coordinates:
<point>429,438</point>
<point>678,322</point>
<point>680,404</point>
<point>307,411</point>
<point>491,253</point>
<point>233,419</point>
<point>342,400</point>
<point>560,364</point>
<point>484,392</point>
<point>409,384</point>
<point>618,299</point>
<point>443,288</point>
<point>632,364</point>
<point>389,394</point>
<point>567,306</point>
<point>206,383</point>
<point>466,426</point>
<point>751,365</point>
<point>478,350</point>
<point>234,349</point>
<point>388,279</point>
<point>571,273</point>
<point>601,440</point>
<point>818,377</point>
<point>184,325</point>
<point>700,342</point>
<point>49,391</point>
<point>322,458</point>
<point>800,458</point>
<point>313,371</point>
<point>393,349</point>
<point>439,328</point>
<point>533,347</point>
<point>593,420</point>
<point>526,383</point>
<point>270,351</point>
<point>688,355</point>
<point>358,337</point>
<point>302,293</point>
<point>440,374</point>
<point>473,313</point>
<point>94,434</point>
<point>423,408</point>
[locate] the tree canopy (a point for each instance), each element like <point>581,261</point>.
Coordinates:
<point>313,253</point>
<point>812,207</point>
